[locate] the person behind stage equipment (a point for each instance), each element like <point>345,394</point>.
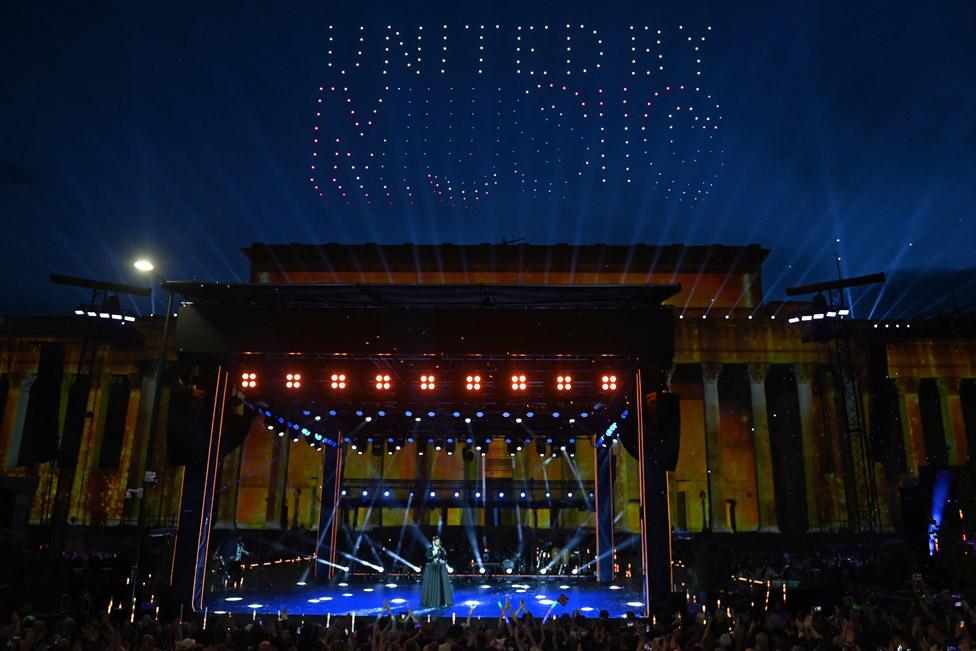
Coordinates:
<point>435,589</point>
<point>231,560</point>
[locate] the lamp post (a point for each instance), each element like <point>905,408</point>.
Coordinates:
<point>148,474</point>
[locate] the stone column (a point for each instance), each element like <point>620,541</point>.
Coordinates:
<point>955,425</point>
<point>765,491</point>
<point>911,418</point>
<point>808,436</point>
<point>278,482</point>
<point>713,456</point>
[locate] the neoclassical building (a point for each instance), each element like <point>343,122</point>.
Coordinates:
<point>762,438</point>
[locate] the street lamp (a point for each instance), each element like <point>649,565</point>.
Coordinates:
<point>149,474</point>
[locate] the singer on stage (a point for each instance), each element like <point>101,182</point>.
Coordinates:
<point>435,589</point>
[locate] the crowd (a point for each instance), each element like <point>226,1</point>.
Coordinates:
<point>930,621</point>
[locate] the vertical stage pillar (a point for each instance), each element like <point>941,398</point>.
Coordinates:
<point>189,571</point>
<point>329,521</point>
<point>604,512</point>
<point>655,515</point>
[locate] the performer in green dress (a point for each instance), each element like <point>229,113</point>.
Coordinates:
<point>435,589</point>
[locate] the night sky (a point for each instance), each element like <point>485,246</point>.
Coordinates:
<point>184,131</point>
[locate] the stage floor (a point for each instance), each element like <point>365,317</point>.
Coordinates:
<point>365,598</point>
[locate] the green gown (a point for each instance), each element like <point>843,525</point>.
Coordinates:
<point>435,588</point>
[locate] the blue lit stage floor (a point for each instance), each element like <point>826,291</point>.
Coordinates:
<point>366,598</point>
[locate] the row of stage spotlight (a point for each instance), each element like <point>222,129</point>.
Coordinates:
<point>460,495</point>
<point>108,313</point>
<point>311,428</point>
<point>427,383</point>
<point>544,447</point>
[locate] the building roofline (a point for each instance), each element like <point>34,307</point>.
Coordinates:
<point>582,259</point>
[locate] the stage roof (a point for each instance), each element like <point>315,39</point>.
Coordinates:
<point>425,319</point>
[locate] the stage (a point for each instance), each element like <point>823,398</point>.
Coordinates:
<point>365,598</point>
<point>361,448</point>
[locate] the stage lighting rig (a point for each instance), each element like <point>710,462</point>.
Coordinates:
<point>608,382</point>
<point>383,382</point>
<point>110,309</point>
<point>428,382</point>
<point>540,447</point>
<point>564,382</point>
<point>818,311</point>
<point>337,381</point>
<point>860,486</point>
<point>293,381</point>
<point>249,380</point>
<point>104,302</point>
<point>519,382</point>
<point>472,383</point>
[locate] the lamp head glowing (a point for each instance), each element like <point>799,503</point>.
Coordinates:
<point>143,265</point>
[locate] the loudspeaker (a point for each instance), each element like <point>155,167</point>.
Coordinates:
<point>236,427</point>
<point>187,433</point>
<point>662,425</point>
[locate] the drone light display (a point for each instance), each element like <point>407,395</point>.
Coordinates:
<point>458,114</point>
